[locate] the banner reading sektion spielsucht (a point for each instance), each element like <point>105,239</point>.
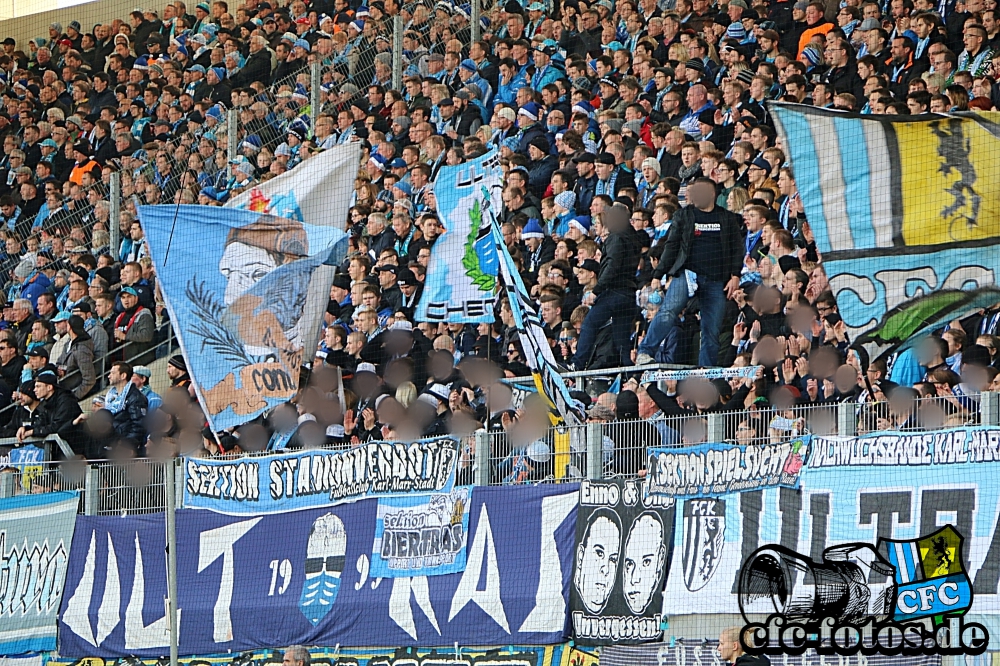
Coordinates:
<point>623,551</point>
<point>35,536</point>
<point>716,469</point>
<point>304,479</point>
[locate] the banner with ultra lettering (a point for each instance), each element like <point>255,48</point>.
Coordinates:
<point>623,552</point>
<point>915,508</point>
<point>35,536</point>
<point>305,577</point>
<point>304,479</point>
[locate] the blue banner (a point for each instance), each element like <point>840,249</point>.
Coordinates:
<point>421,535</point>
<point>462,275</point>
<point>305,577</point>
<point>35,536</point>
<point>315,478</point>
<point>710,470</point>
<point>249,291</point>
<point>890,492</point>
<point>115,587</point>
<point>868,287</point>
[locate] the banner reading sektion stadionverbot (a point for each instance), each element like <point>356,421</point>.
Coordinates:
<point>304,479</point>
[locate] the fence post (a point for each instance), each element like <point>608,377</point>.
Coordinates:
<point>232,134</point>
<point>474,17</point>
<point>989,408</point>
<point>115,201</point>
<point>170,493</point>
<point>482,457</point>
<point>397,51</point>
<point>7,485</point>
<point>595,451</point>
<point>847,419</point>
<point>315,78</point>
<point>716,427</point>
<point>91,491</point>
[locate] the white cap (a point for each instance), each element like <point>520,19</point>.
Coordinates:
<point>365,367</point>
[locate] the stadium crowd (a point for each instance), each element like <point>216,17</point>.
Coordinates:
<point>648,204</point>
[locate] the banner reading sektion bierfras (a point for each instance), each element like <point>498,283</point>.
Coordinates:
<point>421,535</point>
<point>304,479</point>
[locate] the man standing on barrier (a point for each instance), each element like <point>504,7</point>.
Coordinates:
<point>613,297</point>
<point>703,255</point>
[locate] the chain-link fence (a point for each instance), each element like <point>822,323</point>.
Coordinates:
<point>509,456</point>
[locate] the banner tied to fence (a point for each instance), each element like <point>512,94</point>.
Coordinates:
<point>310,478</point>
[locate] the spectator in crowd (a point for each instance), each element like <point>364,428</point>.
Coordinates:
<point>76,364</point>
<point>127,403</point>
<point>140,377</point>
<point>57,412</point>
<point>647,203</point>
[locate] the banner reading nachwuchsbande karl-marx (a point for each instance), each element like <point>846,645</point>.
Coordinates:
<point>304,479</point>
<point>624,540</point>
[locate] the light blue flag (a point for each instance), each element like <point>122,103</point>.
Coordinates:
<point>462,275</point>
<point>246,293</point>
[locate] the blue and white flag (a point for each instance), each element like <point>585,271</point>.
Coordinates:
<point>421,535</point>
<point>530,333</point>
<point>460,286</point>
<point>892,181</point>
<point>246,292</point>
<point>316,192</point>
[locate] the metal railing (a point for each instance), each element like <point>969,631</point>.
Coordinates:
<point>592,450</point>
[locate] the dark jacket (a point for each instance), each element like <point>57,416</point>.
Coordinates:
<point>129,421</point>
<point>55,415</point>
<point>540,173</point>
<point>681,237</point>
<point>11,372</point>
<point>619,260</point>
<point>78,361</point>
<point>752,660</point>
<point>256,68</point>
